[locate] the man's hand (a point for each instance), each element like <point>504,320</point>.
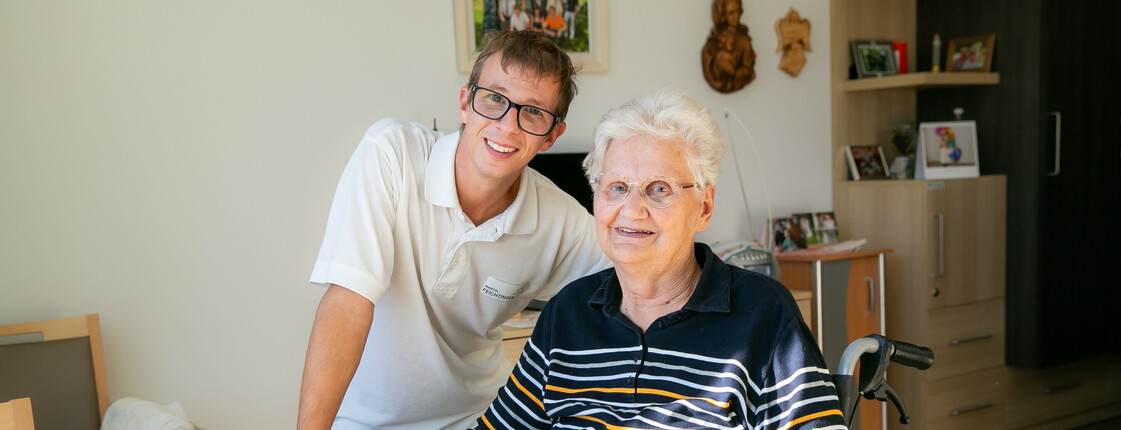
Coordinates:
<point>338,337</point>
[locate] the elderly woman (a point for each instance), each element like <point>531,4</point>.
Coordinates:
<point>671,337</point>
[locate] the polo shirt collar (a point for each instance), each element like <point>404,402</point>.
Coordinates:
<point>522,214</point>
<point>439,174</point>
<point>439,188</point>
<point>713,293</point>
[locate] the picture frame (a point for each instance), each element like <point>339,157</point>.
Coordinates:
<point>867,162</point>
<point>825,225</point>
<point>805,222</point>
<point>971,54</point>
<point>589,41</point>
<point>873,58</point>
<point>947,150</point>
<point>786,235</point>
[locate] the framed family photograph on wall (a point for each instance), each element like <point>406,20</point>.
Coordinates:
<point>971,54</point>
<point>873,58</point>
<point>947,150</point>
<point>577,26</point>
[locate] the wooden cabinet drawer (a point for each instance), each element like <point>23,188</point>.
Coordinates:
<point>965,338</point>
<point>971,401</point>
<point>1036,396</point>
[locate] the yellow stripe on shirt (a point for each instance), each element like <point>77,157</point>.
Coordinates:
<point>606,425</point>
<point>527,393</point>
<point>810,417</point>
<point>672,395</point>
<point>484,417</point>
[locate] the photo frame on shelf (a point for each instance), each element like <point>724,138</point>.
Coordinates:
<point>587,47</point>
<point>947,150</point>
<point>873,58</point>
<point>971,54</point>
<point>867,162</point>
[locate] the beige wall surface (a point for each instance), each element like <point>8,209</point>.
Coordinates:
<point>169,164</point>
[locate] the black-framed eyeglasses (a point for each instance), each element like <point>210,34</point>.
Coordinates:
<point>659,191</point>
<point>493,105</point>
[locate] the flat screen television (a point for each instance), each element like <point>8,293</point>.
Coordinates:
<point>564,170</point>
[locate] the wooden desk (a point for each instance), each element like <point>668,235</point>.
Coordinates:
<point>847,304</point>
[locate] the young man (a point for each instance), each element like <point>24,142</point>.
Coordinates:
<point>570,8</point>
<point>449,236</point>
<point>518,19</point>
<point>505,9</point>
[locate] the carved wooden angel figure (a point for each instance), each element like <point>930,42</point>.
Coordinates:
<point>793,37</point>
<point>727,59</point>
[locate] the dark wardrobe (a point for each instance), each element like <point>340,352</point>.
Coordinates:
<point>1053,126</point>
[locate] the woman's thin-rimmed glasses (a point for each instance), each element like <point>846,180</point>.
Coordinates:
<point>659,191</point>
<point>493,105</point>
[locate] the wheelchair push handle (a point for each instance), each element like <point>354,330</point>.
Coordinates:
<point>872,354</point>
<point>910,355</point>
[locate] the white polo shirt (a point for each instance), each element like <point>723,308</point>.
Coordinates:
<point>519,21</point>
<point>441,286</point>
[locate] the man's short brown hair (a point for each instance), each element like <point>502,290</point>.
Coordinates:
<point>532,52</point>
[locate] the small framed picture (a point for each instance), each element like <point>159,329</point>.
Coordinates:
<point>787,235</point>
<point>866,162</point>
<point>825,226</point>
<point>971,54</point>
<point>873,58</point>
<point>947,150</point>
<point>805,222</point>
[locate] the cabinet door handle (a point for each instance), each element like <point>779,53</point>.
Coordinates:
<point>1055,389</point>
<point>971,339</point>
<point>1058,140</point>
<point>871,296</point>
<point>941,246</point>
<point>957,412</point>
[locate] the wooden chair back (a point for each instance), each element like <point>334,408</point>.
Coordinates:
<point>64,374</point>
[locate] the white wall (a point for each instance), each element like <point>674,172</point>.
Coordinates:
<point>170,164</point>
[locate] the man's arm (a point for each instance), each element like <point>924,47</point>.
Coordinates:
<point>338,337</point>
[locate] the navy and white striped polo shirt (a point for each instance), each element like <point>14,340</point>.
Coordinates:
<point>736,356</point>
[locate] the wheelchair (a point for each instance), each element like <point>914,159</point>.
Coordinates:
<point>872,354</point>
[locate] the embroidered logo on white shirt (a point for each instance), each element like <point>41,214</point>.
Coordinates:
<point>501,290</point>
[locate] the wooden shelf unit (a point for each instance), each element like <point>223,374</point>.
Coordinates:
<point>921,80</point>
<point>864,113</point>
<point>968,379</point>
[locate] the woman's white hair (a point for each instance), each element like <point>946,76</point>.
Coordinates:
<point>664,115</point>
